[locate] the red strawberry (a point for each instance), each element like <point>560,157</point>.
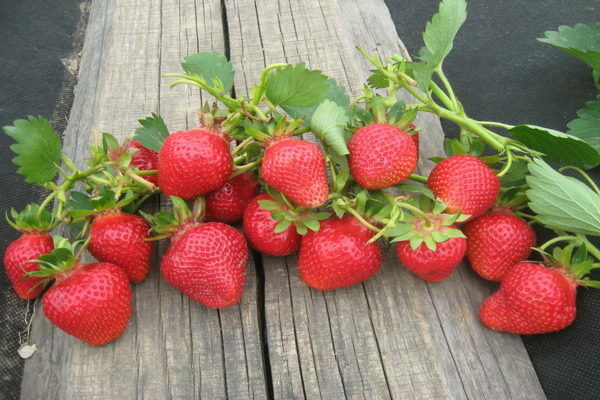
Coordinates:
<point>381,155</point>
<point>432,265</point>
<point>465,184</point>
<point>207,262</point>
<point>30,246</point>
<point>337,255</point>
<point>91,302</point>
<point>296,168</point>
<point>144,159</point>
<point>259,226</point>
<point>193,162</point>
<point>532,299</point>
<point>227,204</point>
<point>118,238</point>
<point>496,241</point>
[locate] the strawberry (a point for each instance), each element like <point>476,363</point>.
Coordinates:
<point>381,155</point>
<point>144,159</point>
<point>30,246</point>
<point>206,261</point>
<point>338,255</point>
<point>227,204</point>
<point>496,241</point>
<point>532,299</point>
<point>465,184</point>
<point>118,238</point>
<point>194,162</point>
<point>296,168</point>
<point>432,265</point>
<point>90,301</point>
<point>259,226</point>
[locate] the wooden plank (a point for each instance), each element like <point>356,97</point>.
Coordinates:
<point>395,335</point>
<point>173,347</point>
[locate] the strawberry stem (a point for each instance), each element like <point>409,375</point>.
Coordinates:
<point>566,238</point>
<point>417,178</point>
<point>585,176</point>
<point>360,219</point>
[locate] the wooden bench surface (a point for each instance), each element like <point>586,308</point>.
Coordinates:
<point>394,336</point>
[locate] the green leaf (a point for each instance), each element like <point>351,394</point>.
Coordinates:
<point>562,202</point>
<point>340,180</point>
<point>312,224</point>
<point>581,41</point>
<point>269,205</point>
<point>210,66</point>
<point>320,216</point>
<point>282,226</point>
<point>438,37</point>
<point>415,187</point>
<point>329,124</point>
<point>336,93</point>
<point>296,86</point>
<point>587,124</point>
<point>378,80</point>
<point>153,132</point>
<point>37,147</point>
<point>557,146</point>
<point>516,174</point>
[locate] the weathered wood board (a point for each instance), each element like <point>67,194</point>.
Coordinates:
<point>391,337</point>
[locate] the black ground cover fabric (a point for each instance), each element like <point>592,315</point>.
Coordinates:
<point>501,73</point>
<point>39,42</point>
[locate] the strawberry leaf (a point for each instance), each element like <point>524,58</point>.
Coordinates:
<point>212,67</point>
<point>562,202</point>
<point>587,124</point>
<point>296,86</point>
<point>153,132</point>
<point>335,93</point>
<point>557,146</point>
<point>329,124</point>
<point>37,147</point>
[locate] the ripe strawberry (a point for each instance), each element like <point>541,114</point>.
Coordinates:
<point>381,156</point>
<point>337,255</point>
<point>532,299</point>
<point>90,301</point>
<point>465,184</point>
<point>432,265</point>
<point>118,238</point>
<point>207,262</point>
<point>296,168</point>
<point>259,226</point>
<point>496,241</point>
<point>227,204</point>
<point>193,162</point>
<point>144,159</point>
<point>30,246</point>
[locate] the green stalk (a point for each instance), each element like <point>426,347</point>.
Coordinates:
<point>591,248</point>
<point>566,238</point>
<point>260,89</point>
<point>448,88</point>
<point>442,96</point>
<point>360,218</point>
<point>417,178</point>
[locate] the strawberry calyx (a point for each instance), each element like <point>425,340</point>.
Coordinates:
<point>82,205</point>
<point>173,225</point>
<point>573,261</point>
<point>385,110</point>
<point>60,262</point>
<point>32,219</point>
<point>277,129</point>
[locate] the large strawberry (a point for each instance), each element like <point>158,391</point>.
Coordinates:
<point>227,204</point>
<point>144,159</point>
<point>381,155</point>
<point>338,255</point>
<point>496,241</point>
<point>194,162</point>
<point>206,261</point>
<point>33,243</point>
<point>259,228</point>
<point>296,168</point>
<point>465,184</point>
<point>118,238</point>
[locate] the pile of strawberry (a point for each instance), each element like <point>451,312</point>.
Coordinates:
<point>301,170</point>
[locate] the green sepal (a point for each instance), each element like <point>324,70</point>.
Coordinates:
<point>62,258</point>
<point>31,219</point>
<point>282,226</point>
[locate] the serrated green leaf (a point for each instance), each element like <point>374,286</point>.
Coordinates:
<point>557,146</point>
<point>562,202</point>
<point>153,132</point>
<point>335,93</point>
<point>282,226</point>
<point>296,86</point>
<point>587,124</point>
<point>269,205</point>
<point>329,124</point>
<point>438,37</point>
<point>378,80</point>
<point>37,149</point>
<point>210,66</point>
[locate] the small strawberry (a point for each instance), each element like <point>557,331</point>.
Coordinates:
<point>296,168</point>
<point>259,228</point>
<point>496,241</point>
<point>465,184</point>
<point>118,238</point>
<point>381,156</point>
<point>89,301</point>
<point>33,243</point>
<point>144,159</point>
<point>338,255</point>
<point>227,204</point>
<point>206,261</point>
